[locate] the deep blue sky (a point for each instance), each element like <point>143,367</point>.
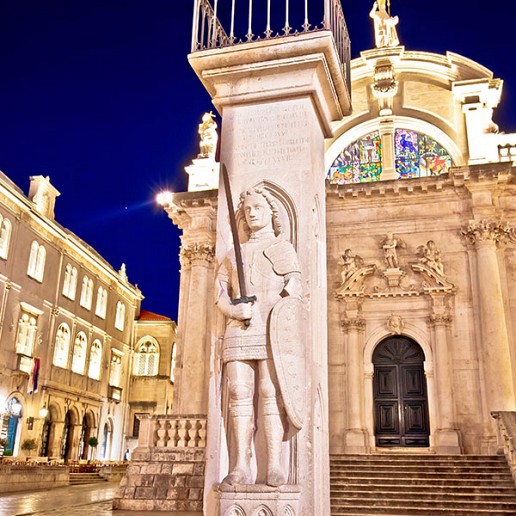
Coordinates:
<point>99,96</point>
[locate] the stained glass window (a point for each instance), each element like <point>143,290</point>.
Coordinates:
<point>359,162</point>
<point>416,155</point>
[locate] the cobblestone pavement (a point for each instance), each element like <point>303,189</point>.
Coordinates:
<point>91,499</point>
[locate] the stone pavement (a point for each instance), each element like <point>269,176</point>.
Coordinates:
<point>90,499</point>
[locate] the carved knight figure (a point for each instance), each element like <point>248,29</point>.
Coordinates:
<point>272,274</point>
<point>384,25</point>
<point>209,137</point>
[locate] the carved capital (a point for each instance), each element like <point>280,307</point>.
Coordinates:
<point>439,319</point>
<point>486,232</point>
<point>356,324</point>
<point>195,254</point>
<point>8,285</point>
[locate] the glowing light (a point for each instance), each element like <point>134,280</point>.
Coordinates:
<point>165,198</point>
<point>43,411</point>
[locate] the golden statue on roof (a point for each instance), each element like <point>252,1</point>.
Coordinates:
<point>384,25</point>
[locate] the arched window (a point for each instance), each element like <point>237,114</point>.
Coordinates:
<point>146,359</point>
<point>101,306</point>
<point>86,293</point>
<point>37,258</point>
<point>173,364</point>
<point>120,316</point>
<point>79,353</point>
<point>26,337</point>
<point>62,346</point>
<point>115,369</point>
<point>70,282</point>
<point>95,360</point>
<point>5,237</point>
<point>415,155</point>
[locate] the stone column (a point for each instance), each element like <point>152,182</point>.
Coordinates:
<point>447,437</point>
<point>194,213</point>
<point>198,259</point>
<point>356,436</point>
<point>278,98</point>
<point>499,383</point>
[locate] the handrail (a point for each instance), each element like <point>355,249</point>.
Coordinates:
<point>208,31</point>
<point>506,426</point>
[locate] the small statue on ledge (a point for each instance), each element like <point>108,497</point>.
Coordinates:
<point>430,256</point>
<point>384,26</point>
<point>350,264</point>
<point>389,245</point>
<point>209,137</point>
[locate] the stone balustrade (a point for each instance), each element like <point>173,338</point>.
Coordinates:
<point>179,432</point>
<point>506,425</point>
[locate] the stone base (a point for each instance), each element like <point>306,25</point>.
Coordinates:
<point>448,442</point>
<point>250,500</point>
<point>356,441</point>
<point>163,480</point>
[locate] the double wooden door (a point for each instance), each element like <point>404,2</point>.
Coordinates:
<point>400,394</point>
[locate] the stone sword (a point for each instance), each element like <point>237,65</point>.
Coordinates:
<point>244,298</point>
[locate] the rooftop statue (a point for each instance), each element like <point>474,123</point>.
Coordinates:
<point>384,26</point>
<point>208,133</point>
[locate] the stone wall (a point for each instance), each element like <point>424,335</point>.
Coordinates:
<point>18,477</point>
<point>166,472</point>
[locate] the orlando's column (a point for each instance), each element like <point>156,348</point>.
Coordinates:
<point>277,98</point>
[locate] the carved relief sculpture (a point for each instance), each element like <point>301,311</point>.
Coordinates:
<point>389,245</point>
<point>262,341</point>
<point>350,263</point>
<point>430,256</point>
<point>209,137</point>
<point>384,25</point>
<point>395,324</point>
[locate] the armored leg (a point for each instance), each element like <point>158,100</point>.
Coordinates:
<point>241,380</point>
<point>273,423</point>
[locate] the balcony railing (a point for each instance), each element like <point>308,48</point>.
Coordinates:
<point>246,23</point>
<point>172,432</point>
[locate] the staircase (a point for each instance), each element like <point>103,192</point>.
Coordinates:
<point>424,485</point>
<point>77,479</point>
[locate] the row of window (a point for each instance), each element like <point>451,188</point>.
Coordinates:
<point>36,270</point>
<point>86,299</point>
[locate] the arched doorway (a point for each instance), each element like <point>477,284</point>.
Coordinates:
<point>400,394</point>
<point>70,422</point>
<point>87,431</point>
<point>107,436</point>
<point>15,413</point>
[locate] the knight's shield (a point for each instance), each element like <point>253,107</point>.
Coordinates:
<point>288,330</point>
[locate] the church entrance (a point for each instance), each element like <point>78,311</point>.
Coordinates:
<point>400,394</point>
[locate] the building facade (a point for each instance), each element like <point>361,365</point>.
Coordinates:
<point>70,331</point>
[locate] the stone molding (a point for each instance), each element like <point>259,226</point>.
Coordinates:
<point>487,232</point>
<point>440,319</point>
<point>196,254</point>
<point>357,324</point>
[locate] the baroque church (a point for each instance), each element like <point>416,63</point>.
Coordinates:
<point>420,274</point>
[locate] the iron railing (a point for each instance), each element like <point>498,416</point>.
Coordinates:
<point>242,18</point>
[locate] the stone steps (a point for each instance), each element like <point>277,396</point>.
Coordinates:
<point>77,479</point>
<point>419,484</point>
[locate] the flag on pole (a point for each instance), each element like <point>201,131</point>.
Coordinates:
<point>32,387</point>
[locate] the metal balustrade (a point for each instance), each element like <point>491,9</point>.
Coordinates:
<point>208,30</point>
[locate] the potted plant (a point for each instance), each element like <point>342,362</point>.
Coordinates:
<point>3,443</point>
<point>28,445</point>
<point>93,442</point>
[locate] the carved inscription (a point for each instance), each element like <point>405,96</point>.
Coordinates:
<point>272,138</point>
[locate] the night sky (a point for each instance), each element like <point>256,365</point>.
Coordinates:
<point>99,96</point>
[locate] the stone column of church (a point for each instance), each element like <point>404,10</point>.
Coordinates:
<point>447,438</point>
<point>192,396</point>
<point>495,342</point>
<point>277,99</point>
<point>355,438</point>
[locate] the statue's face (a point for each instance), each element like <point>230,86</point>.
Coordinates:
<point>258,213</point>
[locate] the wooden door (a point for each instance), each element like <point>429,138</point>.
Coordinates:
<point>400,397</point>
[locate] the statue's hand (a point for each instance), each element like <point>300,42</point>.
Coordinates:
<point>242,312</point>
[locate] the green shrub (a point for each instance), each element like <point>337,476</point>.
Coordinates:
<point>93,442</point>
<point>29,445</point>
